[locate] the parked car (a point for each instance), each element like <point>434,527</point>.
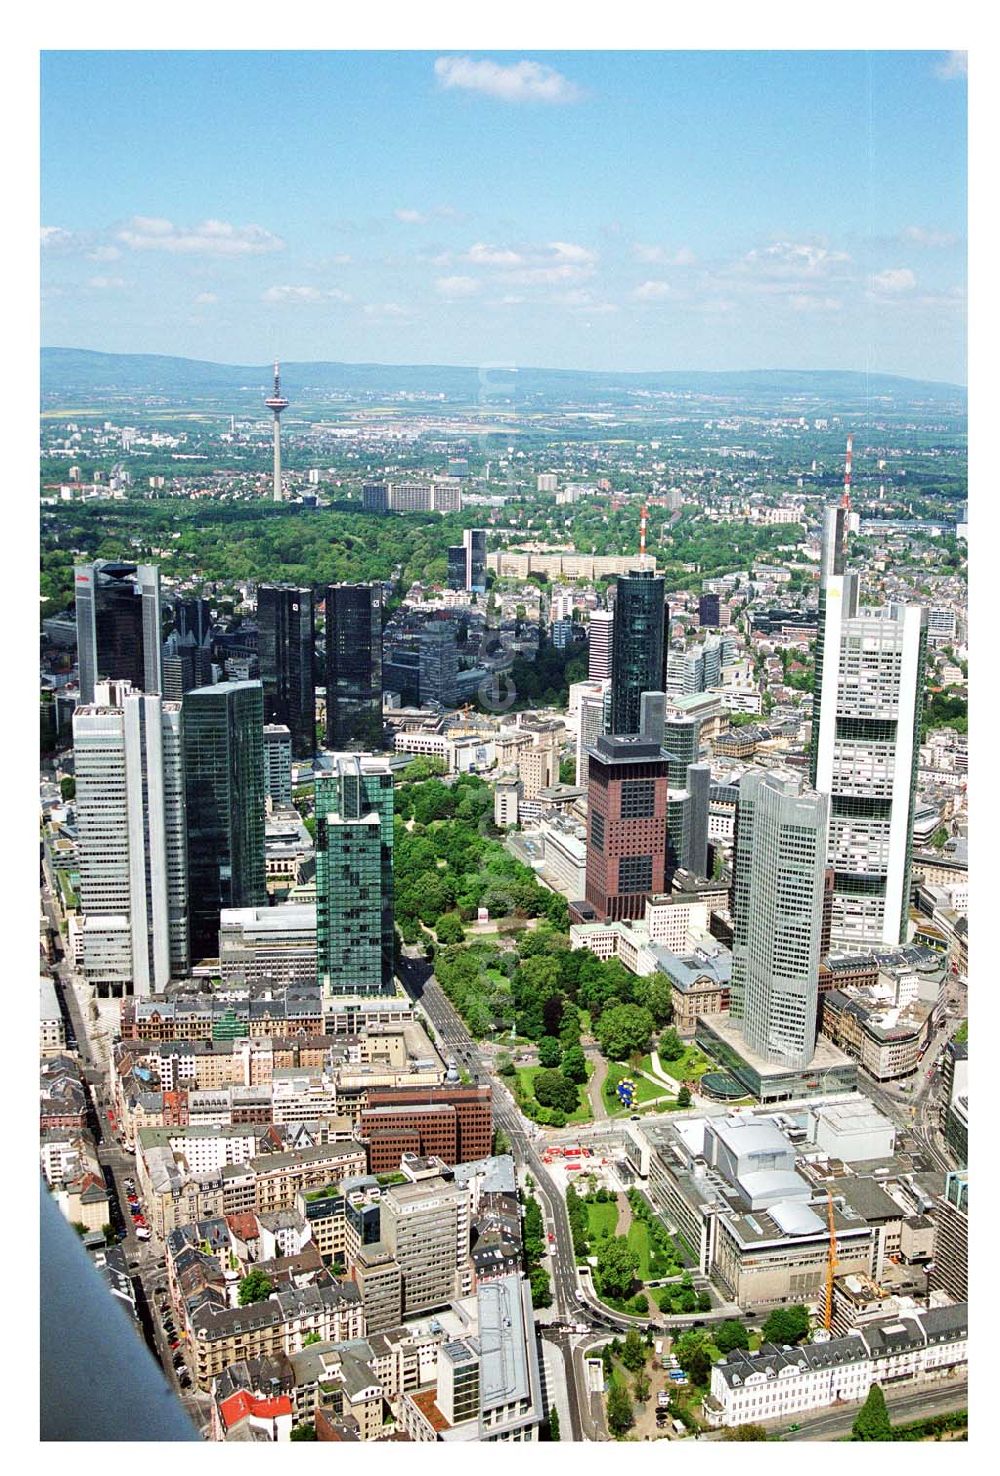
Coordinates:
<point>143,1234</point>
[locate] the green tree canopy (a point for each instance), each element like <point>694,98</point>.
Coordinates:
<point>730,1335</point>
<point>634,1352</point>
<point>549,1051</point>
<point>552,1089</point>
<point>872,1420</point>
<point>624,1029</point>
<point>574,1064</point>
<point>255,1287</point>
<point>619,1408</point>
<point>786,1325</point>
<point>617,1264</point>
<point>671,1047</point>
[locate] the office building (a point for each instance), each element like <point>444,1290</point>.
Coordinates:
<point>354,667</point>
<point>593,703</point>
<point>474,543</point>
<point>224,784</point>
<point>286,644</point>
<point>456,566</point>
<point>130,808</point>
<point>453,1123</point>
<point>272,945</point>
<point>639,647</point>
<point>708,610</point>
<point>187,651</point>
<point>951,1249</point>
<point>278,764</point>
<point>375,497</point>
<point>354,909</point>
<point>118,626</point>
<point>627,816</point>
<point>600,632</point>
<point>438,663</point>
<point>425,1228</point>
<point>867,710</point>
<point>777,907</point>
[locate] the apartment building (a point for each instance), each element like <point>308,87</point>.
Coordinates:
<point>776,1383</point>
<point>267,1329</point>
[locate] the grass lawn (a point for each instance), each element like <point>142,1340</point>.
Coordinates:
<point>645,1091</point>
<point>526,1081</point>
<point>601,1220</point>
<point>638,1241</point>
<point>689,1067</point>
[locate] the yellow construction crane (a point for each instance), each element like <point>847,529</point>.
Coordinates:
<point>831,1262</point>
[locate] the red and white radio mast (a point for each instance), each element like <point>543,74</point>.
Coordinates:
<point>642,533</point>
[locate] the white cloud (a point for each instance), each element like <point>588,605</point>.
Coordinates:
<point>895,279</point>
<point>104,253</point>
<point>210,238</point>
<point>422,217</point>
<point>203,298</point>
<point>918,236</point>
<point>454,288</point>
<point>954,66</point>
<point>791,258</point>
<point>499,256</point>
<point>540,266</point>
<point>659,256</point>
<point>286,293</point>
<point>806,302</point>
<point>523,81</point>
<point>106,284</point>
<point>387,310</point>
<point>55,238</point>
<point>570,251</point>
<point>653,291</point>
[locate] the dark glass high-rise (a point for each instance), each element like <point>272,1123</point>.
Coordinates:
<point>639,646</point>
<point>354,667</point>
<point>286,650</point>
<point>118,629</point>
<point>224,789</point>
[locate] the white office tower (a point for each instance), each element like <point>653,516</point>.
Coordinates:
<point>867,709</point>
<point>599,645</point>
<point>778,876</point>
<point>593,699</point>
<point>132,852</point>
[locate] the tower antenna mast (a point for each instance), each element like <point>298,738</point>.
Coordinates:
<point>845,500</point>
<point>276,403</point>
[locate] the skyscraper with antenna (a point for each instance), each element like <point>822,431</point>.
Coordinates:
<point>276,404</point>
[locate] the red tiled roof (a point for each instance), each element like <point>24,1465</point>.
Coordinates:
<point>238,1406</point>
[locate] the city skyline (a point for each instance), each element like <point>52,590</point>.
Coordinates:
<point>612,210</point>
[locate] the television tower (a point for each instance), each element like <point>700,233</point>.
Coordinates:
<point>277,403</point>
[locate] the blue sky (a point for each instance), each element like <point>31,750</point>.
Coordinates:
<point>625,210</point>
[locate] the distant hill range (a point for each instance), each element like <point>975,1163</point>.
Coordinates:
<point>68,373</point>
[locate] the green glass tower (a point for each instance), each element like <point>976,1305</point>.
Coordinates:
<point>224,786</point>
<point>354,912</point>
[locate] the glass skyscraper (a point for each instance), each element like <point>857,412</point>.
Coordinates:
<point>867,710</point>
<point>639,647</point>
<point>132,840</point>
<point>354,667</point>
<point>779,861</point>
<point>225,786</point>
<point>286,646</point>
<point>118,625</point>
<point>354,890</point>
